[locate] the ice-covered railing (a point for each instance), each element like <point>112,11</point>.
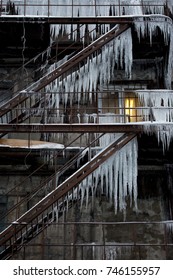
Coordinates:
<point>117,53</point>
<point>158,108</point>
<point>75,8</point>
<point>158,102</point>
<point>117,177</point>
<point>82,8</point>
<point>83,81</point>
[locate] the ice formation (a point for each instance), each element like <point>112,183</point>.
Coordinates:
<point>75,8</point>
<point>85,78</point>
<point>116,178</point>
<point>158,102</point>
<point>115,251</point>
<point>91,8</point>
<point>158,108</point>
<point>67,8</point>
<point>81,84</point>
<point>149,25</point>
<point>117,52</point>
<point>169,226</point>
<point>163,132</point>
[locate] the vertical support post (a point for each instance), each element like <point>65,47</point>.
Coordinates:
<point>119,7</point>
<point>25,8</point>
<point>122,100</point>
<point>1,8</point>
<point>42,245</point>
<point>165,240</point>
<point>29,134</point>
<point>89,150</point>
<point>134,236</point>
<point>72,9</point>
<point>74,241</point>
<point>81,252</point>
<point>104,251</point>
<point>95,8</point>
<point>64,230</point>
<point>142,6</point>
<point>48,8</point>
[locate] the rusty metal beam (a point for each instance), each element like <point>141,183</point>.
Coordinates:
<point>66,20</point>
<point>64,68</point>
<point>79,57</point>
<point>74,20</point>
<point>13,234</point>
<point>78,128</point>
<point>72,128</point>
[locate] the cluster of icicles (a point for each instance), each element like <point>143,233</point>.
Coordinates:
<point>115,251</point>
<point>159,104</point>
<point>118,175</point>
<point>149,26</point>
<point>117,53</point>
<point>67,8</point>
<point>163,132</point>
<point>116,178</point>
<point>86,78</point>
<point>88,8</point>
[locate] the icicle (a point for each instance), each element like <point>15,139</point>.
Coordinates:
<point>88,8</point>
<point>163,132</point>
<point>159,103</point>
<point>118,179</point>
<point>149,27</point>
<point>169,226</point>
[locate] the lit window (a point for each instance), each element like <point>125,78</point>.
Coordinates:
<point>130,110</point>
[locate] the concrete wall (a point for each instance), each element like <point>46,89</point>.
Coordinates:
<point>95,232</point>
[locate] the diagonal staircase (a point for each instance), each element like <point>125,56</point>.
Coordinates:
<point>41,215</point>
<point>20,99</point>
<point>36,219</point>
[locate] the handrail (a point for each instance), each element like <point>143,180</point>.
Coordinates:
<point>75,8</point>
<point>14,236</point>
<point>60,70</point>
<point>40,55</point>
<point>61,170</point>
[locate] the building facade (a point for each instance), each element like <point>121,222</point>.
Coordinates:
<point>86,129</point>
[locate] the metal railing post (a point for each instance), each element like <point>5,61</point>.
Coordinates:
<point>119,7</point>
<point>48,8</point>
<point>95,7</point>
<point>1,8</point>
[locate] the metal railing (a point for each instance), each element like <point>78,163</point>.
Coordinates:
<point>112,108</point>
<point>75,8</point>
<point>47,209</point>
<point>129,240</point>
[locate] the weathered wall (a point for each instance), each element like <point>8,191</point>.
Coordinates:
<point>97,233</point>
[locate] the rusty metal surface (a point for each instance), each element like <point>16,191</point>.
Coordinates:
<point>75,128</point>
<point>66,20</point>
<point>12,237</point>
<point>59,71</point>
<point>76,59</point>
<point>73,20</point>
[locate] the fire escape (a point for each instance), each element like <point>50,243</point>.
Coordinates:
<point>13,116</point>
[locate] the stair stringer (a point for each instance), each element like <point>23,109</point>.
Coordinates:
<point>26,93</point>
<point>40,216</point>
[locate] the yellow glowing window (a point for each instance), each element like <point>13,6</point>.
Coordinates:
<point>130,107</point>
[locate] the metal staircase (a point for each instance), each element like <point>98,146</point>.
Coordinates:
<point>23,97</point>
<point>41,215</point>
